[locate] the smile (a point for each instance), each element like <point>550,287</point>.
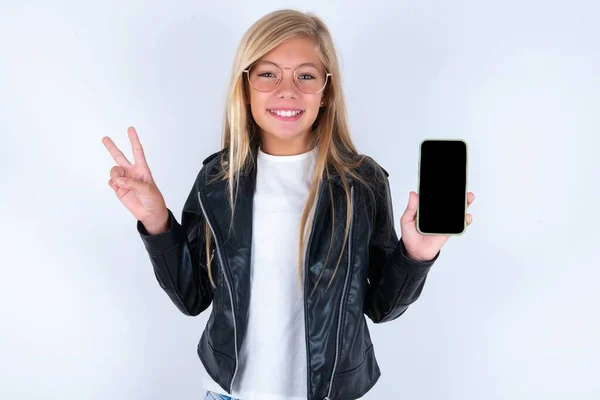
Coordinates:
<point>286,115</point>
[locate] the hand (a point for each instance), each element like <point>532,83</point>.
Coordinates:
<point>135,186</point>
<point>423,247</point>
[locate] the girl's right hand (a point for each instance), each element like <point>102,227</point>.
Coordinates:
<point>135,186</point>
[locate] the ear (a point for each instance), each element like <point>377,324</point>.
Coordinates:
<point>246,92</point>
<point>323,102</point>
<point>324,98</point>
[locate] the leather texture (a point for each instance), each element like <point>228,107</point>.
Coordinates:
<point>374,279</point>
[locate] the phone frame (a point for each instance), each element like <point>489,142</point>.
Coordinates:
<point>466,185</point>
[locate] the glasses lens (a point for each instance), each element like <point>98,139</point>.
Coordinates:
<point>310,79</point>
<point>264,76</point>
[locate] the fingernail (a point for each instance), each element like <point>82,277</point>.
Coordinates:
<point>121,181</point>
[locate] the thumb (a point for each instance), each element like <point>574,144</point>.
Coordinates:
<point>410,213</point>
<point>129,183</point>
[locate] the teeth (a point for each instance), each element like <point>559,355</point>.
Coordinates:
<point>285,113</point>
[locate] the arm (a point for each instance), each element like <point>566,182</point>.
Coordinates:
<point>395,280</point>
<point>178,257</point>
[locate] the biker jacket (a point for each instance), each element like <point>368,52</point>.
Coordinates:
<point>375,278</point>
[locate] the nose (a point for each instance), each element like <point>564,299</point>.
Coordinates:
<point>287,88</point>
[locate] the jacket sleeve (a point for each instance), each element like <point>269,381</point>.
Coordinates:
<point>178,257</point>
<point>395,281</point>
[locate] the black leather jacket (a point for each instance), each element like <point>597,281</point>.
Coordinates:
<point>375,278</point>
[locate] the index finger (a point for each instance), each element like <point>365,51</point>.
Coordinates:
<point>136,145</point>
<point>117,155</point>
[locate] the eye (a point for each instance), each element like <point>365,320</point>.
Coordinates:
<point>267,75</point>
<point>306,76</point>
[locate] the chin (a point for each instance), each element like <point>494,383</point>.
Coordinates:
<point>284,134</point>
<point>285,130</point>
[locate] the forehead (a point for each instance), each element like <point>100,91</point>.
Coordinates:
<point>293,53</point>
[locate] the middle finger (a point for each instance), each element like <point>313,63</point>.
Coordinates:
<point>470,198</point>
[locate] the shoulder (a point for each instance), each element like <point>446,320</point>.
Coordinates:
<point>211,167</point>
<point>213,158</point>
<point>372,180</point>
<point>372,172</point>
<point>208,171</point>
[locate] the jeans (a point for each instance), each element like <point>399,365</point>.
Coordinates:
<point>216,396</point>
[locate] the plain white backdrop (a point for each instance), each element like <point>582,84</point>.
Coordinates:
<point>510,309</point>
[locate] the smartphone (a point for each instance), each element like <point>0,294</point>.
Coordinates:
<point>442,187</point>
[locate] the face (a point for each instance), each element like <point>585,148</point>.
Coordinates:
<point>286,114</point>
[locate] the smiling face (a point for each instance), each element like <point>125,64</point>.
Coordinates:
<point>285,115</point>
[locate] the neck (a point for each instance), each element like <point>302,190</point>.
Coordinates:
<point>290,147</point>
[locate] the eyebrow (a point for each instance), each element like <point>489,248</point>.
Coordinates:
<point>299,65</point>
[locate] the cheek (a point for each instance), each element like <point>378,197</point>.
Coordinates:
<point>313,107</point>
<point>257,104</point>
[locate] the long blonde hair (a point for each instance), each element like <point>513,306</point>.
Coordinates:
<point>330,130</point>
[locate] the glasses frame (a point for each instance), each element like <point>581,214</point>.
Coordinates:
<point>247,71</point>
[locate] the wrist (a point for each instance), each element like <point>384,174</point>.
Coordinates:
<point>161,225</point>
<point>413,256</point>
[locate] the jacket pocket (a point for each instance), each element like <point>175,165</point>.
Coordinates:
<point>349,371</point>
<point>356,382</point>
<point>217,364</point>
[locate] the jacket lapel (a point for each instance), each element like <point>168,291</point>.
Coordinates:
<point>234,243</point>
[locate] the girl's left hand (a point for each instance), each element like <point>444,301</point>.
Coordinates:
<point>423,247</point>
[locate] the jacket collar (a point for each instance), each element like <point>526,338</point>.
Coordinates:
<point>214,168</point>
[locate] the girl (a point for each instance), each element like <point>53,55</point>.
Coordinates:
<point>287,230</point>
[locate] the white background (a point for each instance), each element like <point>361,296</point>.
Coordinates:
<point>510,309</point>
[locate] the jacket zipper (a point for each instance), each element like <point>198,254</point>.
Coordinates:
<point>228,288</point>
<point>339,327</point>
<point>306,255</point>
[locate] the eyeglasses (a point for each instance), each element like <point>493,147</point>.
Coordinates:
<point>265,76</point>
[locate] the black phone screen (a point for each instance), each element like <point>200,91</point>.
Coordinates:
<point>442,187</point>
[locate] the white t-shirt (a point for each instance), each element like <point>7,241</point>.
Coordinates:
<point>273,353</point>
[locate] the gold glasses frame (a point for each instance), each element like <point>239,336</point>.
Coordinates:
<point>247,71</point>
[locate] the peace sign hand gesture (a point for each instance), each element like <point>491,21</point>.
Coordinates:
<point>135,187</point>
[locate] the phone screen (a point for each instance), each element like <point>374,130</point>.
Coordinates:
<point>442,187</point>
